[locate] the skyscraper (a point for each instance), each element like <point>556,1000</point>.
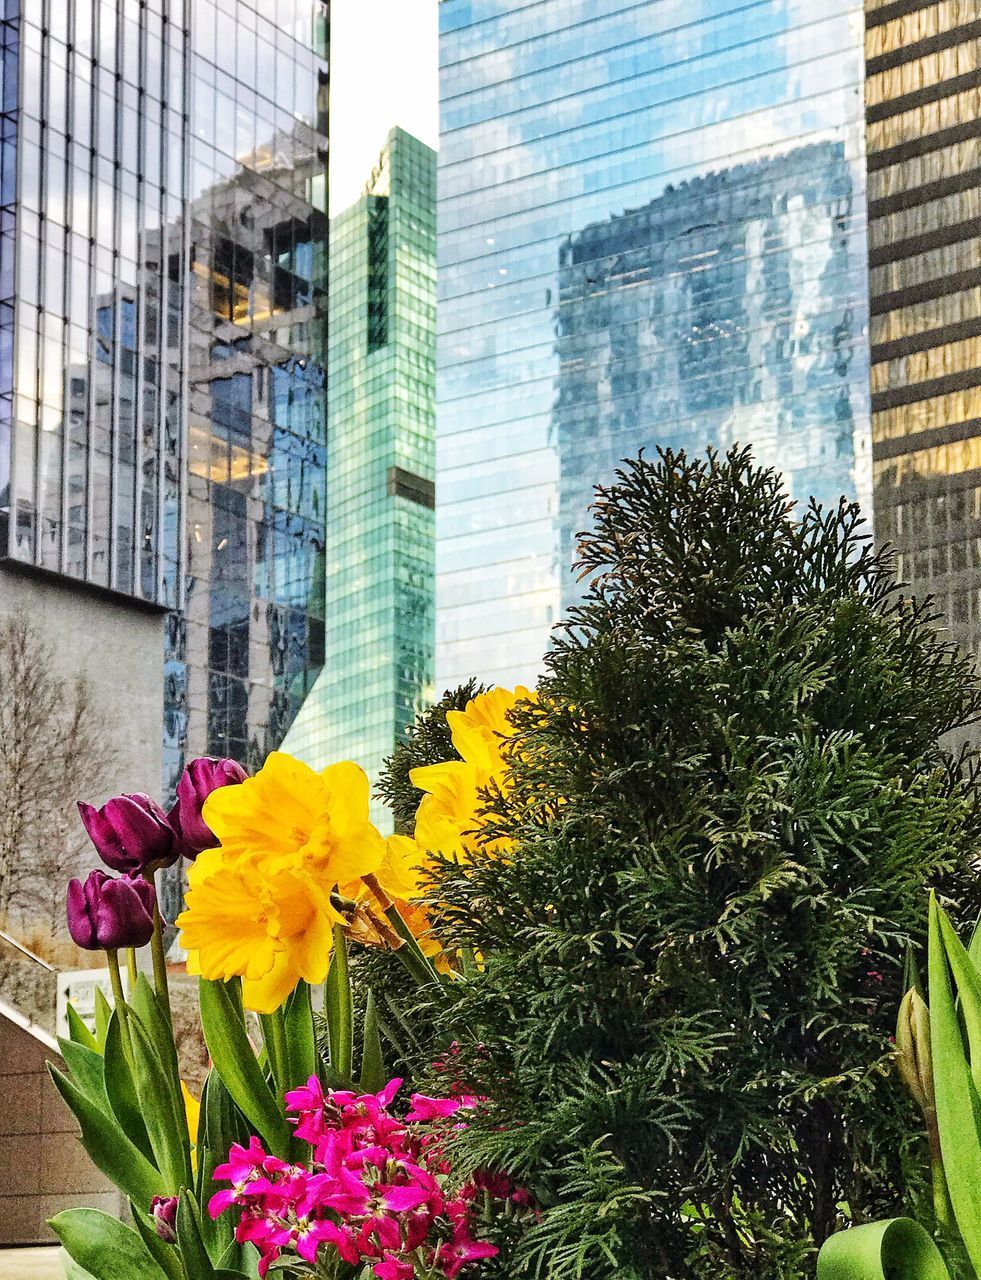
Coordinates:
<point>245,648</point>
<point>163,257</point>
<point>380,491</point>
<point>615,180</point>
<point>923,111</point>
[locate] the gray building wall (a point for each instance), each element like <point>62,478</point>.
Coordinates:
<point>116,643</point>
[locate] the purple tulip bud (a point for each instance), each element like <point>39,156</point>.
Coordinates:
<point>198,780</point>
<point>163,1210</point>
<point>106,914</point>
<point>130,833</point>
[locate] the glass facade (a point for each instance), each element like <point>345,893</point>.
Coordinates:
<point>651,231</point>
<point>246,647</point>
<point>93,153</point>
<point>923,112</point>
<point>163,269</point>
<point>380,490</point>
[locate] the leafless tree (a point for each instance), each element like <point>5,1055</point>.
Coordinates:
<point>54,748</point>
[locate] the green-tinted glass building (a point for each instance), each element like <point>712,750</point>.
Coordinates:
<point>379,639</point>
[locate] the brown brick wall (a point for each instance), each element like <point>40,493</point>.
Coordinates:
<point>43,1166</point>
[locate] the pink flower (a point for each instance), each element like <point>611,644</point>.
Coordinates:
<point>424,1108</point>
<point>392,1267</point>
<point>375,1191</point>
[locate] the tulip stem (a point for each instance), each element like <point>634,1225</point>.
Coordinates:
<point>131,966</point>
<point>122,1013</point>
<point>159,958</point>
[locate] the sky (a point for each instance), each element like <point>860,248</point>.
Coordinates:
<point>383,71</point>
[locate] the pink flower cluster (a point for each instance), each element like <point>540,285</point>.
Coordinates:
<point>377,1189</point>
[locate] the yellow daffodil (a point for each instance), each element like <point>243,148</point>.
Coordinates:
<point>260,921</point>
<point>259,906</point>
<point>448,820</point>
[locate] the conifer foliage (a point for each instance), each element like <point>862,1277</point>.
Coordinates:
<point>726,808</point>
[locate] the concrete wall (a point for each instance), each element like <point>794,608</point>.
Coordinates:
<point>119,646</point>
<point>45,1167</point>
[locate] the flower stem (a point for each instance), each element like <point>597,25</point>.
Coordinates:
<point>122,1013</point>
<point>159,958</point>
<point>131,966</point>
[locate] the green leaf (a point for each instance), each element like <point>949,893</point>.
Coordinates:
<point>109,1148</point>
<point>197,1261</point>
<point>301,1041</point>
<point>163,1109</point>
<point>221,1124</point>
<point>121,1090</point>
<point>235,1061</point>
<point>104,1247</point>
<point>339,1008</point>
<point>896,1249</point>
<point>968,982</point>
<point>103,1012</point>
<point>273,1027</point>
<point>958,1105</point>
<point>373,1075</point>
<point>79,1031</point>
<point>87,1071</point>
<point>239,1260</point>
<point>144,1001</point>
<point>165,1254</point>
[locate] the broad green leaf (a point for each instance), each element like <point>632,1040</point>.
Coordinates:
<point>70,1268</point>
<point>273,1028</point>
<point>104,1247</point>
<point>103,1010</point>
<point>301,1042</point>
<point>235,1061</point>
<point>163,1109</point>
<point>109,1148</point>
<point>164,1254</point>
<point>968,983</point>
<point>239,1260</point>
<point>78,1030</point>
<point>220,1125</point>
<point>339,1008</point>
<point>86,1069</point>
<point>896,1249</point>
<point>958,1105</point>
<point>144,1000</point>
<point>194,1252</point>
<point>373,1075</point>
<point>121,1090</point>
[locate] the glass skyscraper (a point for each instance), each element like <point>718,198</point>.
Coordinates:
<point>93,295</point>
<point>247,645</point>
<point>380,492</point>
<point>163,261</point>
<point>923,108</point>
<point>651,231</point>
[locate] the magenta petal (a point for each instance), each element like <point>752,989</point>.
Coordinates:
<point>80,924</point>
<point>399,1199</point>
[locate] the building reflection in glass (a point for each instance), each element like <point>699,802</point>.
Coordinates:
<point>923,111</point>
<point>757,343</point>
<point>573,136</point>
<point>244,650</point>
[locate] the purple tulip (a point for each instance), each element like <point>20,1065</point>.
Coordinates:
<point>130,833</point>
<point>163,1210</point>
<point>105,914</point>
<point>198,780</point>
